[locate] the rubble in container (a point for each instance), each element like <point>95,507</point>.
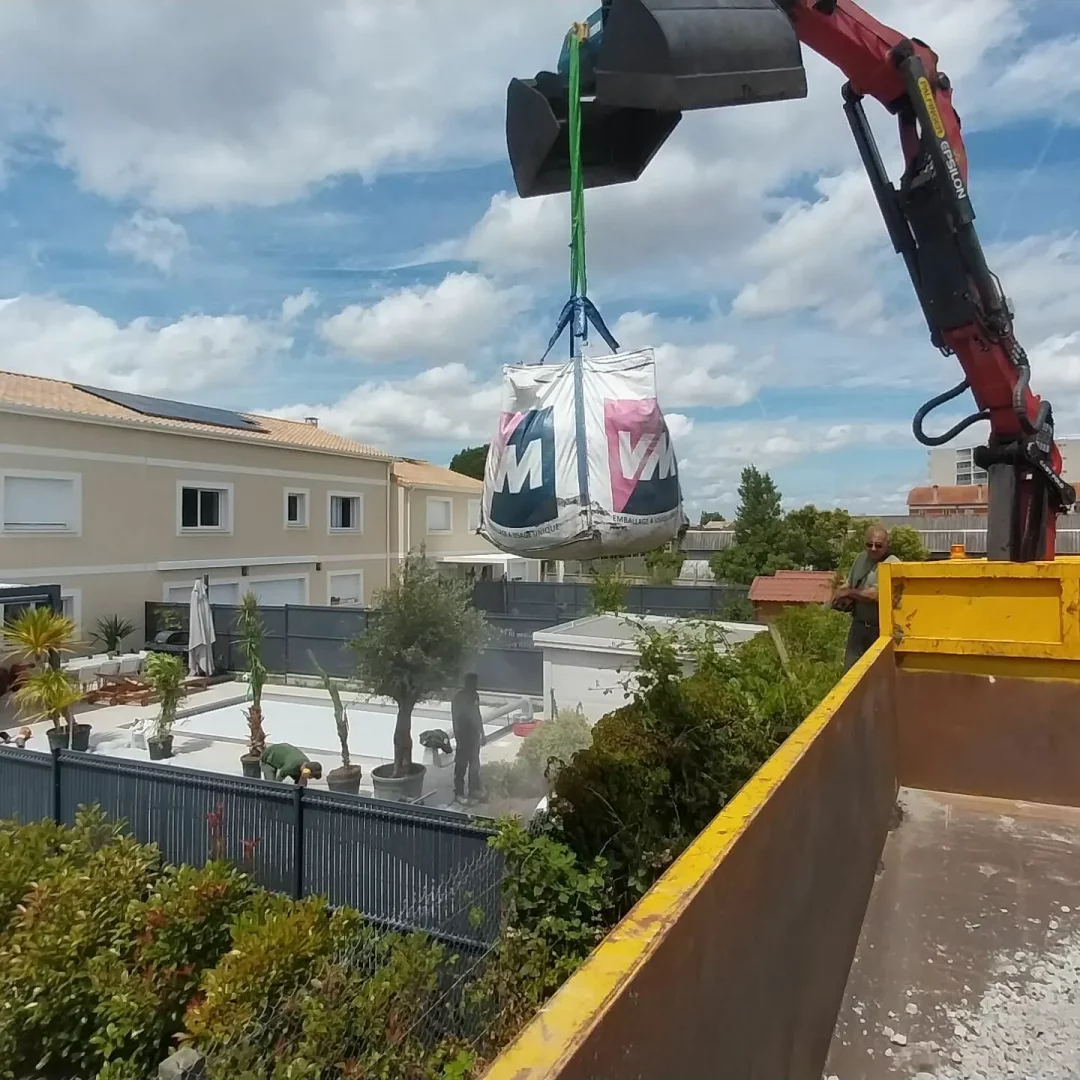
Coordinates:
<point>1023,1029</point>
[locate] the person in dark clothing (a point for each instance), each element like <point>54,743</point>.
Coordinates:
<point>283,761</point>
<point>859,595</point>
<point>468,738</point>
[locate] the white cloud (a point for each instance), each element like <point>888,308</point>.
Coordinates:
<point>821,255</point>
<point>151,239</point>
<point>202,103</point>
<point>41,335</point>
<point>1041,276</point>
<point>446,320</point>
<point>292,307</point>
<point>445,403</point>
<point>709,373</point>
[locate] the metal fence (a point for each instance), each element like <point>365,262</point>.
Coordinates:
<point>404,867</point>
<point>295,633</point>
<point>554,602</point>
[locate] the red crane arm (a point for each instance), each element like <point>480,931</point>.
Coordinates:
<point>930,219</point>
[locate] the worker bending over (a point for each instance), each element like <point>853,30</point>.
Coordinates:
<point>283,761</point>
<point>859,595</point>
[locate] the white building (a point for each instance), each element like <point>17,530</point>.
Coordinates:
<point>587,662</point>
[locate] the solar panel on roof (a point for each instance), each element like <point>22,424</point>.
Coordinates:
<point>173,410</point>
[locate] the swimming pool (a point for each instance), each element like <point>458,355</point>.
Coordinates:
<point>309,724</point>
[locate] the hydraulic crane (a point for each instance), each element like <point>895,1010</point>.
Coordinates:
<point>646,62</point>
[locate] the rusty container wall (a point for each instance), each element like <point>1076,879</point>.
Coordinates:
<point>735,963</point>
<point>988,679</point>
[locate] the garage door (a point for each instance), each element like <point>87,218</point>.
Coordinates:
<point>219,594</point>
<point>280,592</point>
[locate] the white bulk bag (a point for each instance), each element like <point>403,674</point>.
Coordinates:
<point>582,465</point>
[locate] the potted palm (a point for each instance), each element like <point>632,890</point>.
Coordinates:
<point>166,675</point>
<point>48,693</point>
<point>348,777</point>
<point>249,629</point>
<point>37,637</point>
<point>112,632</point>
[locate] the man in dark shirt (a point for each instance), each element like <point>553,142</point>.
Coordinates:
<point>468,738</point>
<point>283,761</point>
<point>859,595</point>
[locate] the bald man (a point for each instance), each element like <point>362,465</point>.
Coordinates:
<point>859,595</point>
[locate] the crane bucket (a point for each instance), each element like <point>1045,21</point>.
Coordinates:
<point>697,54</point>
<point>616,142</point>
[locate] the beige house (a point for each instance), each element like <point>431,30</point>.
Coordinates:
<point>439,511</point>
<point>122,499</point>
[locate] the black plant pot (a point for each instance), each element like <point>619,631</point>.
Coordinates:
<point>159,747</point>
<point>250,764</point>
<point>80,739</point>
<point>345,779</point>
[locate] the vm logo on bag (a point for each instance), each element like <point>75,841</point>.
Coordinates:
<point>641,459</point>
<point>524,486</point>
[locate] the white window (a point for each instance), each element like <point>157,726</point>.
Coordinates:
<point>474,515</point>
<point>346,589</point>
<point>205,507</point>
<point>41,502</point>
<point>296,509</point>
<point>277,592</point>
<point>440,515</point>
<point>346,512</point>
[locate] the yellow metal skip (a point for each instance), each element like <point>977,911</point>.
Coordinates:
<point>987,610</point>
<point>550,1039</point>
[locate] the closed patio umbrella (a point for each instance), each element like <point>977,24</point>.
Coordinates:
<point>200,632</point>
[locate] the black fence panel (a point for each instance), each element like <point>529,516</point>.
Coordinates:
<point>511,671</point>
<point>191,816</point>
<point>26,785</point>
<point>407,875</point>
<point>299,640</point>
<point>405,867</point>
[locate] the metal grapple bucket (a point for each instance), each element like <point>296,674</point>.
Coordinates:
<point>647,62</point>
<point>616,143</point>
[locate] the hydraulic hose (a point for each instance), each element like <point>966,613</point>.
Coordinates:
<point>935,402</point>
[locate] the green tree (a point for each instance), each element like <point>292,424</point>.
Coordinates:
<point>816,539</point>
<point>422,631</point>
<point>760,533</point>
<point>710,515</point>
<point>470,461</point>
<point>664,564</point>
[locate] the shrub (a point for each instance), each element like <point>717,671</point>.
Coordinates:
<point>553,916</point>
<point>306,992</point>
<point>660,768</point>
<point>545,749</point>
<point>65,920</point>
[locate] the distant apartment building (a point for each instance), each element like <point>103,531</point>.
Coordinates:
<point>123,499</point>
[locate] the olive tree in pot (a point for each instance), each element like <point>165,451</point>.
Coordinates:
<point>422,630</point>
<point>249,629</point>
<point>347,778</point>
<point>37,637</point>
<point>166,675</point>
<point>112,632</point>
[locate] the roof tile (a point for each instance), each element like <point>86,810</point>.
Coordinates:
<point>412,473</point>
<point>794,587</point>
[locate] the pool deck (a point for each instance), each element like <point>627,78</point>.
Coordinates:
<point>111,735</point>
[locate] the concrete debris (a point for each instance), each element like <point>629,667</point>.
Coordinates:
<point>911,1008</point>
<point>1027,1030</point>
<point>899,1040</point>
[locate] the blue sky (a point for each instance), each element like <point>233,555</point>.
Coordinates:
<point>306,209</point>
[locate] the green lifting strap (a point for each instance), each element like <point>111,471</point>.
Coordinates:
<point>578,278</point>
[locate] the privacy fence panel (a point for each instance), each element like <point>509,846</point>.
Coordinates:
<point>408,868</point>
<point>299,640</point>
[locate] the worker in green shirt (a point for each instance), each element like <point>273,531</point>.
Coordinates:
<point>283,761</point>
<point>859,595</point>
